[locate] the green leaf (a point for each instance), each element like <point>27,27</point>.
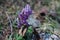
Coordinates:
<point>30,29</point>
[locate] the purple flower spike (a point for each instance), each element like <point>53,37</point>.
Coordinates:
<point>24,14</point>
<point>27,10</point>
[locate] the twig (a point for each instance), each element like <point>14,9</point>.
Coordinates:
<point>9,22</point>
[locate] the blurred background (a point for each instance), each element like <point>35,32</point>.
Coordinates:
<point>9,10</point>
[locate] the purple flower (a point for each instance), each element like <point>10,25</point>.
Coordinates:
<point>24,14</point>
<point>22,22</point>
<point>23,17</point>
<point>27,10</point>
